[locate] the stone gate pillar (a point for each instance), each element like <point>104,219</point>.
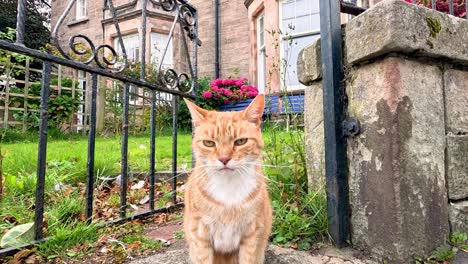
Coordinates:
<point>407,84</point>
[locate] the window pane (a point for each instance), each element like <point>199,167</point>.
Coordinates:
<point>158,44</point>
<point>291,53</point>
<point>261,31</point>
<point>302,8</point>
<point>299,16</point>
<point>288,9</point>
<point>80,9</point>
<point>132,44</point>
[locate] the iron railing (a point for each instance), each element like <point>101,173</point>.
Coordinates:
<point>104,61</point>
<point>336,126</point>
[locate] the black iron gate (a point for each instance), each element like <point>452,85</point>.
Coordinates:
<point>104,61</point>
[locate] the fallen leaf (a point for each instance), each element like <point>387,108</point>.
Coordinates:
<point>20,256</point>
<point>144,200</point>
<point>135,245</point>
<point>104,250</point>
<point>139,185</point>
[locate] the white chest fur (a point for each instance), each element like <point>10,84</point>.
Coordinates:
<point>231,188</point>
<point>226,238</point>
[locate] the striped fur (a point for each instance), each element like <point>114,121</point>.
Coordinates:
<point>228,214</point>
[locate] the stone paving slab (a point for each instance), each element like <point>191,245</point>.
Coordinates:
<point>274,255</point>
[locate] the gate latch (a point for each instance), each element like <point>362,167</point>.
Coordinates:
<point>351,127</point>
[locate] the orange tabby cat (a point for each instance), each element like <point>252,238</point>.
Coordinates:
<point>227,208</point>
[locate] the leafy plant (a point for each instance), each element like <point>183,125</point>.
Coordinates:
<point>444,253</point>
<point>62,105</point>
<point>300,215</point>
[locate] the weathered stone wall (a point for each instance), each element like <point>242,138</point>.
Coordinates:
<point>406,82</point>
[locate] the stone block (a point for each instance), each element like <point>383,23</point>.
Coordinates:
<point>309,64</point>
<point>457,167</point>
<point>456,100</point>
<point>396,165</point>
<point>459,216</point>
<point>397,26</point>
<point>314,135</point>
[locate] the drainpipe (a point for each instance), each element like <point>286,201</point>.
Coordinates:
<point>216,3</point>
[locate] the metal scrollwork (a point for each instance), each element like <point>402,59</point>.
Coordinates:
<point>93,53</point>
<point>170,79</point>
<point>168,5</point>
<point>81,47</point>
<point>185,84</point>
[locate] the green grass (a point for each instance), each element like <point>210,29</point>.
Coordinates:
<point>66,237</point>
<point>300,216</point>
<point>21,158</point>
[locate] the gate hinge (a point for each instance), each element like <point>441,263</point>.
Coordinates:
<point>351,127</point>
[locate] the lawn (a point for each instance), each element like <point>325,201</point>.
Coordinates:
<point>299,213</point>
<point>21,157</point>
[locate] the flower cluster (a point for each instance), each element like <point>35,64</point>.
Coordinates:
<point>229,91</point>
<point>459,8</point>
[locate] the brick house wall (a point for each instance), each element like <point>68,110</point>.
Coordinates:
<point>234,39</point>
<point>99,27</point>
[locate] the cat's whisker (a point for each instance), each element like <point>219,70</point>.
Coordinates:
<point>271,165</point>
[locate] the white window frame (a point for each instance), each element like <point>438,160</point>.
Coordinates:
<point>290,36</point>
<point>169,57</point>
<point>261,54</point>
<point>133,50</point>
<point>81,9</point>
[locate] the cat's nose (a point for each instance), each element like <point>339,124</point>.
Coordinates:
<point>224,159</point>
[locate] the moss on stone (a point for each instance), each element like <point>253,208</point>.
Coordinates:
<point>430,44</point>
<point>434,26</point>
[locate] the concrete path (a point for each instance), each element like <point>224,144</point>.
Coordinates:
<point>274,255</point>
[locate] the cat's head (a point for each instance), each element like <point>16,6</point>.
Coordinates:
<point>228,141</point>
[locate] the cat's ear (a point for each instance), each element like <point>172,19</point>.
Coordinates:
<point>198,114</point>
<point>254,111</point>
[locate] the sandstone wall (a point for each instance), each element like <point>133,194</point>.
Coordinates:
<point>407,84</point>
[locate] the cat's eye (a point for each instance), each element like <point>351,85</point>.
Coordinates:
<point>209,143</point>
<point>240,141</point>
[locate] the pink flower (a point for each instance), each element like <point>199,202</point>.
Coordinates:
<point>227,92</point>
<point>215,88</point>
<point>218,95</point>
<point>56,88</point>
<point>252,94</point>
<point>207,94</point>
<point>239,83</point>
<point>226,101</point>
<point>244,88</point>
<point>53,96</point>
<point>217,82</point>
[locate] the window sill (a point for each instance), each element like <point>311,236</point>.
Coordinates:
<point>78,21</point>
